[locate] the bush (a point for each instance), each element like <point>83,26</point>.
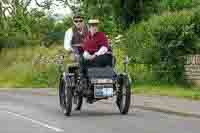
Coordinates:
<point>161,41</point>
<point>175,5</point>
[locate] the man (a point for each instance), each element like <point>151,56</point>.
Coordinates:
<point>96,50</point>
<point>74,36</point>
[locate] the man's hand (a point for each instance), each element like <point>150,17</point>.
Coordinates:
<point>74,57</point>
<point>71,50</point>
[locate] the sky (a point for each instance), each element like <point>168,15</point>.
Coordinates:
<point>57,10</point>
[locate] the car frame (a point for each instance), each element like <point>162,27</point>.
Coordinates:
<point>98,86</point>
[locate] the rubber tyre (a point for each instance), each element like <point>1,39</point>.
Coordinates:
<point>61,92</point>
<point>65,95</point>
<point>124,97</point>
<point>68,100</point>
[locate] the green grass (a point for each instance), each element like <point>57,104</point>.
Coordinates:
<point>167,90</point>
<point>17,69</point>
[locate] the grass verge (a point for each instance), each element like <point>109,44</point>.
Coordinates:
<point>167,90</point>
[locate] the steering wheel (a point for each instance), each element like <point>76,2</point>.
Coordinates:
<point>77,45</point>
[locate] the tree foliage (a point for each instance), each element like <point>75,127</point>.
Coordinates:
<point>23,27</point>
<point>163,41</point>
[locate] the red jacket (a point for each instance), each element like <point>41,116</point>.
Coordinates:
<point>93,43</point>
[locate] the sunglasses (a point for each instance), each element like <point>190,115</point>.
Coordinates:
<point>78,21</point>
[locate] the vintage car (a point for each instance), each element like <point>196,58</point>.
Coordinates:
<point>101,83</point>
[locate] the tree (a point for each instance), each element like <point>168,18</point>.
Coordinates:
<point>125,12</point>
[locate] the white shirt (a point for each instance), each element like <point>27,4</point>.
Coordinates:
<point>68,39</point>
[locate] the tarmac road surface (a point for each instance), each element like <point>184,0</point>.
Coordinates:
<point>23,112</point>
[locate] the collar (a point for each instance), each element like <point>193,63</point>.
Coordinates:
<point>93,35</point>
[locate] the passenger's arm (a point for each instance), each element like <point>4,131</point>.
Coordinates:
<point>101,51</point>
<point>104,45</point>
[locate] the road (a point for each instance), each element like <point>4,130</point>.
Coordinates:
<point>23,112</point>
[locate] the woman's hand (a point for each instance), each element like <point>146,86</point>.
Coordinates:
<point>88,56</point>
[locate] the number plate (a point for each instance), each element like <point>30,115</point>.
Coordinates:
<point>102,91</point>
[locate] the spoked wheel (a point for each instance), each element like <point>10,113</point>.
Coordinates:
<point>124,95</point>
<point>61,93</point>
<point>65,95</point>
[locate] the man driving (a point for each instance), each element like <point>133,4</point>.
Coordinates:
<point>75,35</point>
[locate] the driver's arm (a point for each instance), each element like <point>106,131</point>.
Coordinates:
<point>68,39</point>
